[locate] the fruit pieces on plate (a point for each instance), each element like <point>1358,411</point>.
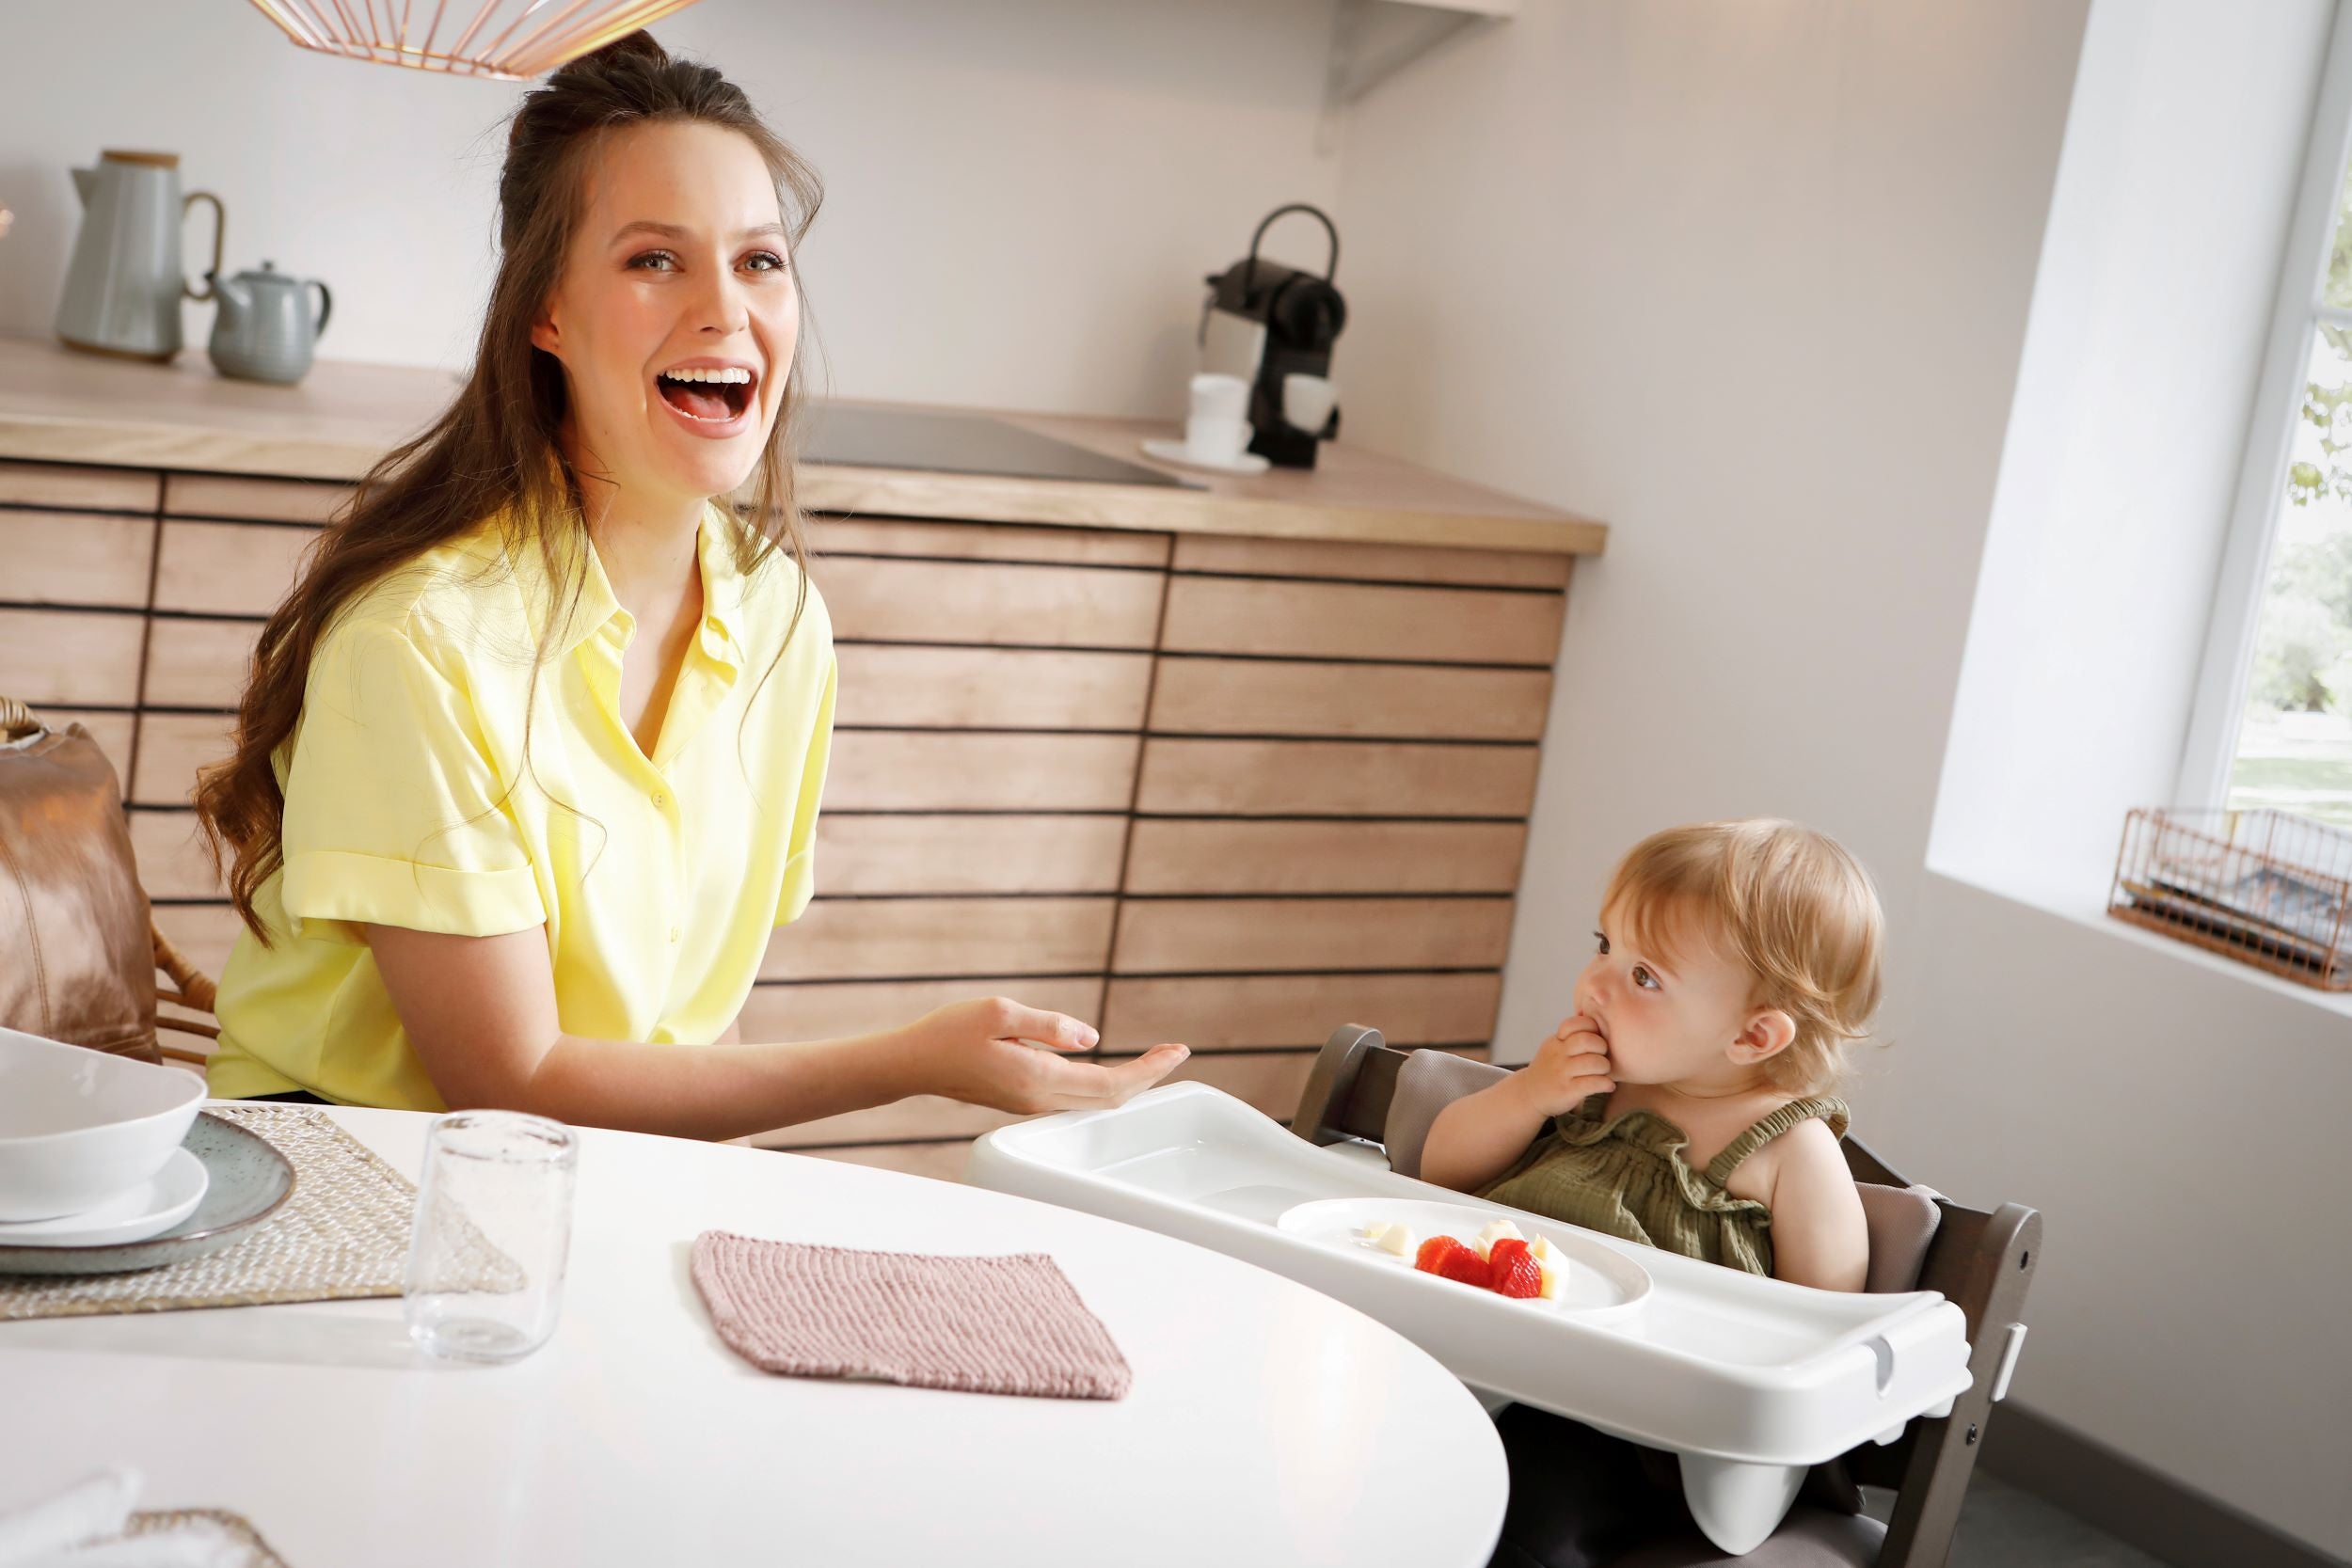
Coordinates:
<point>1502,1260</point>
<point>1514,1271</point>
<point>1449,1259</point>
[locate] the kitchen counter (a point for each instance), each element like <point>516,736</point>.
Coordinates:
<point>58,406</point>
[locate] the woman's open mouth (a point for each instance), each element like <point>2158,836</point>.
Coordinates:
<point>709,400</point>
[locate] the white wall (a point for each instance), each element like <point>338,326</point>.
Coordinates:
<point>1023,197</point>
<point>1754,283</point>
<point>2151,314</point>
<point>1749,281</point>
<point>2176,1115</point>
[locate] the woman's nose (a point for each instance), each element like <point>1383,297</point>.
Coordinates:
<point>722,307</point>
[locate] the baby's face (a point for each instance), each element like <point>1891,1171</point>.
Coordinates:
<point>1669,1016</point>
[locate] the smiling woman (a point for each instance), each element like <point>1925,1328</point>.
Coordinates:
<point>529,766</point>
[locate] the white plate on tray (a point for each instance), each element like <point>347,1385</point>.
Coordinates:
<point>149,1209</point>
<point>1602,1283</point>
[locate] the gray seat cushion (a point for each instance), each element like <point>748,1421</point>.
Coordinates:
<point>1427,1083</point>
<point>1902,1222</point>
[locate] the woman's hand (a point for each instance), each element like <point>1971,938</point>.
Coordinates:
<point>1568,1068</point>
<point>981,1053</point>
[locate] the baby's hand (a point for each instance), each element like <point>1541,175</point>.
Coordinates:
<point>1569,1066</point>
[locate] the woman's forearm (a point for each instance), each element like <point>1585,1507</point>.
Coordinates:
<point>481,1015</point>
<point>702,1091</point>
<point>1477,1137</point>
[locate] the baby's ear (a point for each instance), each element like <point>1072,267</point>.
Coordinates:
<point>1768,1033</point>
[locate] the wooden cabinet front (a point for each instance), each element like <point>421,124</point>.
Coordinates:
<point>1231,791</point>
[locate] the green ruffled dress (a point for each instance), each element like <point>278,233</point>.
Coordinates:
<point>1627,1176</point>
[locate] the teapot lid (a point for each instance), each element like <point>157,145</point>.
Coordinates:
<point>267,272</point>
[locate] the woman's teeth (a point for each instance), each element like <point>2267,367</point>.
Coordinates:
<point>714,395</point>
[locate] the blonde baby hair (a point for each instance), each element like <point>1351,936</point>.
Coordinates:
<point>1788,904</point>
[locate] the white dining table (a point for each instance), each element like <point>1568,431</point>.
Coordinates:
<point>1266,1423</point>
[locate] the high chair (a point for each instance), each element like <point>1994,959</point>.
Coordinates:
<point>1382,1100</point>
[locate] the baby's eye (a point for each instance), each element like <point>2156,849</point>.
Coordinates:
<point>1604,944</point>
<point>1643,979</point>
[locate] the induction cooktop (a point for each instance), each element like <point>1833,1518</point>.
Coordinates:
<point>863,438</point>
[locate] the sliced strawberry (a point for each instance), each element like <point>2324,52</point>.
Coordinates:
<point>1509,1247</point>
<point>1516,1273</point>
<point>1463,1263</point>
<point>1448,1259</point>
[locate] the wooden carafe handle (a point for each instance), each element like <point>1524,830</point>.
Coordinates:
<point>221,229</point>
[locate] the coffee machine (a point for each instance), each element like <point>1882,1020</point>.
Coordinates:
<point>1262,321</point>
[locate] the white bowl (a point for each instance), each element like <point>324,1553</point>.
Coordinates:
<point>78,1126</point>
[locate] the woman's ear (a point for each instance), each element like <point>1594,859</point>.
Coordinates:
<point>543,333</point>
<point>1768,1033</point>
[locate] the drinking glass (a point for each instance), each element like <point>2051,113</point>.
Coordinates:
<point>494,1221</point>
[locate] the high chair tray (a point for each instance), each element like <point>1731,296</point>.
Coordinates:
<point>1748,1379</point>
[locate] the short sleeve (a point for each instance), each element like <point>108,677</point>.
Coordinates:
<point>800,870</point>
<point>394,808</point>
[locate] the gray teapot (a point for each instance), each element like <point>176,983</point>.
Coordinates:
<point>264,330</point>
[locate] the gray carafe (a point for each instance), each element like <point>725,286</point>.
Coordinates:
<point>123,287</point>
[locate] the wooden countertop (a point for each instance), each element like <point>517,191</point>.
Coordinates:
<point>63,406</point>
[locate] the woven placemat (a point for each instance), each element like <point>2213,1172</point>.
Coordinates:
<point>236,1526</point>
<point>343,1233</point>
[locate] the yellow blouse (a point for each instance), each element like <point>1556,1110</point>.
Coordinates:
<point>410,802</point>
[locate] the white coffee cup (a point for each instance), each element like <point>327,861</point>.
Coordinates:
<point>1220,397</point>
<point>1308,400</point>
<point>1213,439</point>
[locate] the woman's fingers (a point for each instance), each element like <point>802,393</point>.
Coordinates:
<point>1053,1031</point>
<point>1077,1085</point>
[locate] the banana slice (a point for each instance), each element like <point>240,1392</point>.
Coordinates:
<point>1497,1231</point>
<point>1393,1239</point>
<point>1554,1266</point>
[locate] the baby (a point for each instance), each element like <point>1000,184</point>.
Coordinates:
<point>1685,1103</point>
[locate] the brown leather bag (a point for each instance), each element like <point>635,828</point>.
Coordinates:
<point>77,959</point>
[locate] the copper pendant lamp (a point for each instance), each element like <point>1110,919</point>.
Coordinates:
<point>510,40</point>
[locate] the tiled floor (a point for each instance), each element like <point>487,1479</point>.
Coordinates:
<point>2003,1526</point>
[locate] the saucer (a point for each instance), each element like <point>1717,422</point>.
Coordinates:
<point>153,1206</point>
<point>250,1181</point>
<point>1176,451</point>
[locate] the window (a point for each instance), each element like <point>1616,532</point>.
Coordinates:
<point>2273,725</point>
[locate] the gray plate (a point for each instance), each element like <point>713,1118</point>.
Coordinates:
<point>250,1180</point>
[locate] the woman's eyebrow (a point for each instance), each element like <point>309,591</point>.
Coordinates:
<point>678,231</point>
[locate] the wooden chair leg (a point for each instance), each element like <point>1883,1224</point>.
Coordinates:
<point>196,989</point>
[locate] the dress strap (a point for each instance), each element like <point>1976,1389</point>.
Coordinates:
<point>1828,1107</point>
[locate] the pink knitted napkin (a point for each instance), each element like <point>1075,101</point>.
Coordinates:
<point>990,1325</point>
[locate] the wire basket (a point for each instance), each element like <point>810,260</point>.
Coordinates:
<point>2264,887</point>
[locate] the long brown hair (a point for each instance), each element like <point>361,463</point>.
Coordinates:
<point>496,451</point>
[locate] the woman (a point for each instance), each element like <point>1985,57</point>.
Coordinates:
<point>528,769</point>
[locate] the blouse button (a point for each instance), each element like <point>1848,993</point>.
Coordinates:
<point>660,799</point>
<point>673,933</point>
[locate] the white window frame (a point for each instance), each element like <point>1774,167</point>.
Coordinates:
<point>2219,708</point>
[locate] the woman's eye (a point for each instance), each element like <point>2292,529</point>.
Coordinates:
<point>776,263</point>
<point>652,256</point>
<point>1643,979</point>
